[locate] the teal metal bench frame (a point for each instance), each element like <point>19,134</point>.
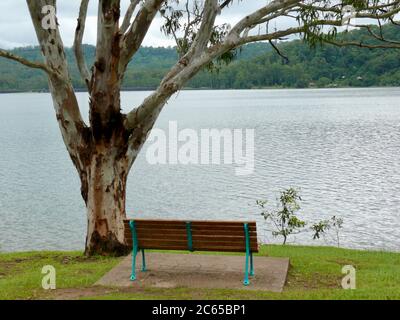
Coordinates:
<point>136,249</point>
<point>249,256</point>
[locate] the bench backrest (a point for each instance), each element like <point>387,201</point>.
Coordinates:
<point>227,236</point>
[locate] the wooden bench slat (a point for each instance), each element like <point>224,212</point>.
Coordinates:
<point>199,247</point>
<point>223,248</point>
<point>155,230</point>
<point>224,223</point>
<point>226,237</point>
<point>158,242</point>
<point>222,233</point>
<point>209,231</point>
<point>182,224</point>
<point>195,236</point>
<point>238,229</point>
<point>194,227</point>
<point>223,238</point>
<point>205,222</point>
<point>222,244</point>
<point>215,240</point>
<point>160,238</point>
<point>165,247</point>
<point>167,232</point>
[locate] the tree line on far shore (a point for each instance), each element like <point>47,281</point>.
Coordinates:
<point>256,66</point>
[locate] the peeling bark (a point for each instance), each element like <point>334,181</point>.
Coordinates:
<point>107,176</point>
<point>104,183</point>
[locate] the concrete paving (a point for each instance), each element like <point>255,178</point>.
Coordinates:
<point>168,270</point>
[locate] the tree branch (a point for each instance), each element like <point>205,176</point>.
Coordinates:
<point>25,62</point>
<point>65,103</point>
<point>79,55</point>
<point>379,37</point>
<point>133,38</point>
<point>258,15</point>
<point>285,58</point>
<point>225,4</point>
<point>167,87</point>
<point>362,44</point>
<point>200,43</point>
<point>211,9</point>
<point>128,16</point>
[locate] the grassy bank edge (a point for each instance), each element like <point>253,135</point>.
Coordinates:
<point>315,273</point>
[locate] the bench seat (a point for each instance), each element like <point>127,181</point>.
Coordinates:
<point>197,235</point>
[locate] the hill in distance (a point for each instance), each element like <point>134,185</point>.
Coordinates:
<point>256,66</point>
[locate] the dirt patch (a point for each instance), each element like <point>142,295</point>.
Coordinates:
<point>7,268</point>
<point>98,291</point>
<point>8,263</point>
<point>77,259</point>
<point>342,262</point>
<point>316,281</point>
<point>78,293</point>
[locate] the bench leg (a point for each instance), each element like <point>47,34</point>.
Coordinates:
<point>246,281</point>
<point>251,265</point>
<point>135,249</point>
<point>134,254</point>
<point>143,262</point>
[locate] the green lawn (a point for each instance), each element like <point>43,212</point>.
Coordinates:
<point>315,273</point>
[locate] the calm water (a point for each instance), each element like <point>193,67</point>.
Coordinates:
<point>341,147</point>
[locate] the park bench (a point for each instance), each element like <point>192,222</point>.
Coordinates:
<point>221,236</point>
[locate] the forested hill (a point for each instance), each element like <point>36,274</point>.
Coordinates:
<point>256,66</point>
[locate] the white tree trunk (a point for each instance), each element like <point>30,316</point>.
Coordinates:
<point>106,195</point>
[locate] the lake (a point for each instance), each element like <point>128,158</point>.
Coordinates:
<point>341,147</point>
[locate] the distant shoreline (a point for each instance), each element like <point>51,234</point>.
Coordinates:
<point>204,89</point>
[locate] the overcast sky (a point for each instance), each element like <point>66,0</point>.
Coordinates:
<point>16,28</point>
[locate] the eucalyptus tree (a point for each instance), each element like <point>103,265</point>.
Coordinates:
<point>104,149</point>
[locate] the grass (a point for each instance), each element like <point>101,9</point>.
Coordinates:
<point>21,277</point>
<point>315,273</point>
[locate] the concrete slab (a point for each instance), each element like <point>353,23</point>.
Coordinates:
<point>168,270</point>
